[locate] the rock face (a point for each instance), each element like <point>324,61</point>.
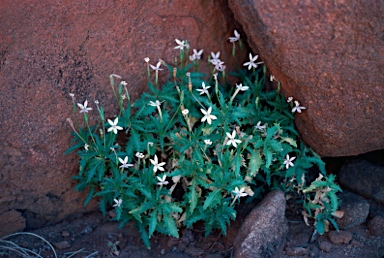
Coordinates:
<point>363,178</point>
<point>329,55</point>
<point>51,48</point>
<point>263,231</point>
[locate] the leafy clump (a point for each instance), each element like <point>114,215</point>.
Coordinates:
<point>193,147</point>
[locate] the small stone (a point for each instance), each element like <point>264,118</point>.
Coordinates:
<point>65,233</point>
<point>87,230</point>
<point>325,246</point>
<point>62,244</point>
<point>193,251</point>
<point>295,251</point>
<point>162,252</point>
<point>340,237</point>
<point>376,226</point>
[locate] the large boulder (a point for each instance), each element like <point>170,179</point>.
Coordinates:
<point>329,55</point>
<point>51,48</point>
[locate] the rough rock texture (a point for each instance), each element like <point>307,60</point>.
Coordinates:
<point>355,208</point>
<point>329,55</point>
<point>263,232</point>
<point>51,48</point>
<point>11,221</point>
<point>363,178</point>
<point>376,226</point>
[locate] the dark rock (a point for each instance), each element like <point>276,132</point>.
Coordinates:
<point>355,208</point>
<point>363,178</point>
<point>11,221</point>
<point>325,246</point>
<point>263,232</point>
<point>328,55</point>
<point>340,237</point>
<point>376,226</point>
<point>62,244</point>
<point>49,49</point>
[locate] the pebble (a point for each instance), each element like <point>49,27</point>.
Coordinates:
<point>355,208</point>
<point>376,226</point>
<point>340,237</point>
<point>65,234</point>
<point>61,244</point>
<point>325,246</point>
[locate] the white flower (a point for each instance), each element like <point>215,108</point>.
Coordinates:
<point>124,163</point>
<point>185,112</point>
<point>251,62</point>
<point>118,202</point>
<point>204,90</point>
<point>219,66</point>
<point>215,58</point>
<point>241,87</point>
<point>139,155</point>
<point>181,44</point>
<point>297,108</point>
<point>84,108</point>
<point>232,139</point>
<point>162,180</point>
<point>239,193</point>
<point>289,99</point>
<point>288,161</point>
<point>259,126</point>
<point>157,165</point>
<point>97,102</point>
<point>196,54</point>
<point>272,78</point>
<point>86,147</point>
<point>207,115</point>
<point>235,38</point>
<point>157,67</point>
<point>124,83</point>
<point>71,94</point>
<point>208,142</point>
<point>155,104</point>
<point>114,127</point>
<point>146,59</point>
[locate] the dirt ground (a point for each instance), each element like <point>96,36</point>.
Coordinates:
<point>94,236</point>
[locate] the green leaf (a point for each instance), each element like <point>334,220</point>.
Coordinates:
<point>170,225</point>
<point>213,198</point>
<point>152,222</point>
<point>89,196</point>
<point>320,226</point>
<point>193,197</point>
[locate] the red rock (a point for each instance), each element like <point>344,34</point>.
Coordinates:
<point>330,57</point>
<point>11,221</point>
<point>49,49</point>
<point>340,237</point>
<point>376,226</point>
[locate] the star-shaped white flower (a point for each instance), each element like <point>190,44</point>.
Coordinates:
<point>297,108</point>
<point>232,139</point>
<point>86,147</point>
<point>162,180</point>
<point>155,104</point>
<point>289,99</point>
<point>219,66</point>
<point>196,55</point>
<point>124,163</point>
<point>241,87</point>
<point>118,202</point>
<point>260,127</point>
<point>251,62</point>
<point>146,59</point>
<point>204,90</point>
<point>207,115</point>
<point>208,142</point>
<point>114,127</point>
<point>235,38</point>
<point>239,192</point>
<point>185,112</point>
<point>157,67</point>
<point>181,44</point>
<point>157,165</point>
<point>288,161</point>
<point>215,58</point>
<point>84,108</point>
<point>139,155</point>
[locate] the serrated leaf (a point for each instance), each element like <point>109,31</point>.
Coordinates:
<point>320,226</point>
<point>152,222</point>
<point>170,225</point>
<point>193,198</point>
<point>291,141</point>
<point>89,196</point>
<point>213,198</point>
<point>268,158</point>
